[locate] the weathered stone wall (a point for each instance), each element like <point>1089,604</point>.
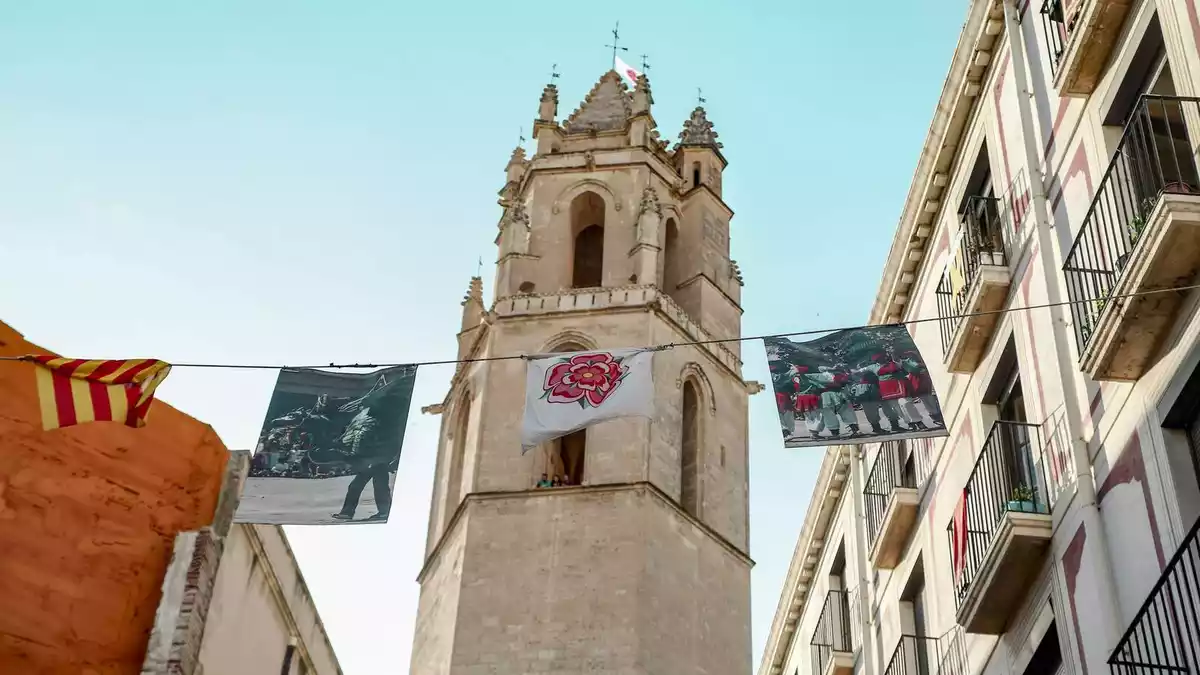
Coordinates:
<point>584,580</point>
<point>88,519</point>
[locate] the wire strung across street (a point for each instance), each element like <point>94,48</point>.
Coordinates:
<point>672,345</point>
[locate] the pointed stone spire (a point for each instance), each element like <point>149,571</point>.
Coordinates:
<point>606,107</point>
<point>514,171</point>
<point>697,130</point>
<point>548,108</point>
<point>642,98</point>
<point>472,305</point>
<point>646,250</point>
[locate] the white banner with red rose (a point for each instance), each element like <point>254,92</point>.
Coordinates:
<point>569,391</point>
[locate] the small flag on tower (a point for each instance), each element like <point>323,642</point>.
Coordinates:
<point>75,391</point>
<point>627,71</point>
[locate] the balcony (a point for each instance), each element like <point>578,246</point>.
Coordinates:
<point>914,655</point>
<point>832,641</point>
<point>891,499</point>
<point>1054,32</point>
<point>952,655</point>
<point>974,287</point>
<point>1141,235</point>
<point>1164,636</point>
<point>1008,528</point>
<point>1086,31</point>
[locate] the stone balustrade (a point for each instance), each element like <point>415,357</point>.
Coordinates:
<point>592,299</point>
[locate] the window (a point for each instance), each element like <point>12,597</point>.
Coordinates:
<point>1047,658</point>
<point>696,174</point>
<point>914,620</point>
<point>566,457</point>
<point>1181,426</point>
<point>587,224</point>
<point>1005,400</point>
<point>689,490</point>
<point>671,272</point>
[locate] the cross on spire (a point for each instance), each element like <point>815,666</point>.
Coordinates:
<point>616,41</point>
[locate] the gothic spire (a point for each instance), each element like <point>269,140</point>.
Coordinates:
<point>548,107</point>
<point>697,130</point>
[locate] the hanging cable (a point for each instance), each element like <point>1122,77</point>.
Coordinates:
<point>672,345</point>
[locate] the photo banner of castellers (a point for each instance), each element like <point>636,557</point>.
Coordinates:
<point>329,448</point>
<point>863,385</point>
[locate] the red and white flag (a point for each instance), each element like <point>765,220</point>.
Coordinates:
<point>569,391</point>
<point>627,71</point>
<point>958,533</point>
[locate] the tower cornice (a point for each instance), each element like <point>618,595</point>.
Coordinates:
<point>619,299</point>
<point>645,487</point>
<point>576,162</point>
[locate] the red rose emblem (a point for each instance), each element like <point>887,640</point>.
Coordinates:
<point>586,378</point>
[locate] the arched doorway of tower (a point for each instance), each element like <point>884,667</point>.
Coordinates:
<point>689,455</point>
<point>671,272</point>
<point>565,458</point>
<point>587,230</point>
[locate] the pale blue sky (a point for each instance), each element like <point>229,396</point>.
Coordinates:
<point>306,182</point>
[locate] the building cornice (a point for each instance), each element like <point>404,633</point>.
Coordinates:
<point>972,60</point>
<point>538,493</point>
<point>831,482</point>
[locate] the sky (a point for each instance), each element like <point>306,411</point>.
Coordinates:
<point>275,182</point>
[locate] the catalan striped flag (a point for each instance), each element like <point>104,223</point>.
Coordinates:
<point>75,391</point>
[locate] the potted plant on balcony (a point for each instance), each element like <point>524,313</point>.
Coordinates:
<point>1135,228</point>
<point>1023,500</point>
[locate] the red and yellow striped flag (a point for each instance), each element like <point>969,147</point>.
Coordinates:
<point>75,391</point>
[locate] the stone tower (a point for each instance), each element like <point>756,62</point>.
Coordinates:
<point>608,239</point>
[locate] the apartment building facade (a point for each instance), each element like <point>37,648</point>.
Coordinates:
<point>1046,253</point>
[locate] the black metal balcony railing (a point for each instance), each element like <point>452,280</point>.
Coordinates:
<point>1154,156</point>
<point>832,633</point>
<point>903,464</point>
<point>1164,636</point>
<point>980,242</point>
<point>953,659</point>
<point>1007,477</point>
<point>1055,31</point>
<point>914,655</point>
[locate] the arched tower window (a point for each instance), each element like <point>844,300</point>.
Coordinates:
<point>696,174</point>
<point>458,450</point>
<point>587,226</point>
<point>566,457</point>
<point>689,454</point>
<point>671,272</point>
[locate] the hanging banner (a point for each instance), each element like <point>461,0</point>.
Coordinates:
<point>326,436</point>
<point>574,390</point>
<point>854,386</point>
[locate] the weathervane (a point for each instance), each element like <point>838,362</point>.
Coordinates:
<point>699,96</point>
<point>645,63</point>
<point>521,136</point>
<point>616,33</point>
<point>553,73</point>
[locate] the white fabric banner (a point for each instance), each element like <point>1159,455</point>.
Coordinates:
<point>627,71</point>
<point>569,391</point>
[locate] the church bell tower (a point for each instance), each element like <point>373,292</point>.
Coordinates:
<point>639,563</point>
